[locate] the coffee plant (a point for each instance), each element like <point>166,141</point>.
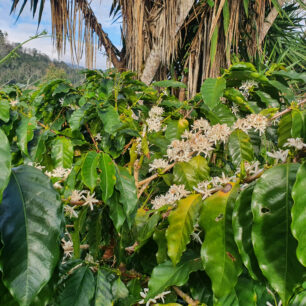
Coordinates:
<point>116,193</point>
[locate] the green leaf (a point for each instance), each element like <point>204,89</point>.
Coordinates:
<point>284,129</point>
<point>79,289</point>
<point>4,110</point>
<point>273,243</point>
<point>212,91</point>
<point>5,162</point>
<point>89,170</point>
<point>37,152</point>
<point>30,226</point>
<point>213,45</point>
<point>181,225</point>
<point>159,237</point>
<point>299,299</point>
<point>103,296</point>
<point>285,90</point>
<point>107,176</point>
<point>219,252</point>
<point>95,233</point>
<point>117,212</point>
<point>291,74</point>
<point>110,119</point>
<point>125,184</point>
<point>119,289</point>
<point>298,225</point>
<point>191,173</point>
<point>240,147</point>
<point>175,128</point>
<point>297,123</point>
<point>169,83</point>
<point>62,152</point>
<point>267,99</point>
<point>166,275</point>
<point>25,133</point>
<point>242,226</point>
<point>76,118</point>
<point>246,7</point>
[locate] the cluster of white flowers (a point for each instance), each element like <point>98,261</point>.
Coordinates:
<point>207,188</point>
<point>14,103</point>
<point>158,163</point>
<point>69,210</point>
<point>36,165</point>
<point>160,296</point>
<point>218,132</point>
<point>179,150</point>
<point>255,121</point>
<point>246,87</point>
<point>279,155</point>
<point>175,193</point>
<point>252,168</point>
<point>154,121</point>
<point>296,143</point>
<point>59,172</point>
<point>67,246</point>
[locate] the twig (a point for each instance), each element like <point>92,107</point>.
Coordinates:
<point>136,171</point>
<point>287,110</point>
<point>80,203</point>
<point>143,188</point>
<point>185,296</point>
<point>127,146</point>
<point>92,138</point>
<point>45,127</point>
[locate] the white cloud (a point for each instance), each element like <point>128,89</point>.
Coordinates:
<point>26,26</point>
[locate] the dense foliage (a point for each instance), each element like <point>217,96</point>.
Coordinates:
<point>113,187</point>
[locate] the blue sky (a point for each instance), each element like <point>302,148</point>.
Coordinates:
<point>26,26</point>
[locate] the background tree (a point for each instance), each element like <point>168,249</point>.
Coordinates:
<point>190,40</point>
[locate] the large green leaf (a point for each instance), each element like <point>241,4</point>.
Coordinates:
<point>94,236</point>
<point>25,133</point>
<point>5,162</point>
<point>284,129</point>
<point>62,152</point>
<point>159,237</point>
<point>125,184</point>
<point>119,289</point>
<point>89,170</point>
<point>181,224</point>
<point>107,176</point>
<point>117,211</point>
<point>212,91</point>
<point>166,275</point>
<point>191,173</point>
<point>298,213</point>
<point>38,151</point>
<point>30,226</point>
<point>297,123</point>
<point>4,110</point>
<point>79,289</point>
<point>240,147</point>
<point>169,83</point>
<point>175,128</point>
<point>274,246</point>
<point>219,252</point>
<point>242,226</point>
<point>110,119</point>
<point>76,118</point>
<point>103,296</point>
<point>267,99</point>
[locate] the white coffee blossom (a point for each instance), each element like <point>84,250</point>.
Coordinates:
<point>223,180</point>
<point>235,109</point>
<point>201,125</point>
<point>156,111</point>
<point>158,163</point>
<point>204,189</point>
<point>59,172</point>
<point>138,145</point>
<point>69,210</point>
<point>200,144</point>
<point>252,168</point>
<point>134,116</point>
<point>154,121</point>
<point>14,103</point>
<point>242,124</point>
<point>57,185</point>
<point>77,195</point>
<point>279,155</point>
<point>179,150</point>
<point>90,199</point>
<point>258,122</point>
<point>218,132</point>
<point>295,143</point>
<point>98,137</point>
<point>246,87</point>
<point>61,101</point>
<point>67,246</point>
<point>160,296</point>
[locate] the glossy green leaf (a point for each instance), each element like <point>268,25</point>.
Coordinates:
<point>284,129</point>
<point>246,7</point>
<point>219,252</point>
<point>240,147</point>
<point>62,152</point>
<point>117,211</point>
<point>242,226</point>
<point>95,233</point>
<point>103,296</point>
<point>166,275</point>
<point>191,173</point>
<point>175,128</point>
<point>107,176</point>
<point>37,152</point>
<point>159,237</point>
<point>181,225</point>
<point>291,74</point>
<point>299,299</point>
<point>89,170</point>
<point>110,119</point>
<point>79,288</point>
<point>297,123</point>
<point>119,289</point>
<point>5,162</point>
<point>267,99</point>
<point>273,243</point>
<point>212,91</point>
<point>298,213</point>
<point>169,83</point>
<point>4,110</point>
<point>25,133</point>
<point>76,118</point>
<point>125,184</point>
<point>30,226</point>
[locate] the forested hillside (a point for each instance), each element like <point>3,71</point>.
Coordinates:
<point>29,65</point>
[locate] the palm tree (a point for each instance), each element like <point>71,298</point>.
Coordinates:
<point>190,40</point>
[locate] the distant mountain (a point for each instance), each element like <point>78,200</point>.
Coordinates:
<point>29,66</point>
